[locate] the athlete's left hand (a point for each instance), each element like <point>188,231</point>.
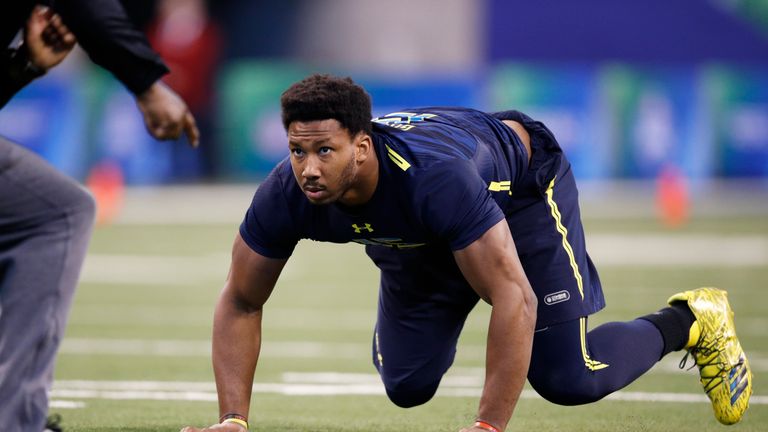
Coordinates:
<point>473,429</point>
<point>221,427</point>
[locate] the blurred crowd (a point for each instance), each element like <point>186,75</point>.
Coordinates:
<point>648,86</point>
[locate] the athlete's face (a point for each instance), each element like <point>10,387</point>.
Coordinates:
<point>325,159</point>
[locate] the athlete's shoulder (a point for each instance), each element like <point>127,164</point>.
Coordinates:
<point>280,186</point>
<point>281,176</point>
<point>421,137</point>
<point>271,225</point>
<point>432,116</point>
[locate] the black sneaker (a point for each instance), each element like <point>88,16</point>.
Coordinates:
<point>52,424</point>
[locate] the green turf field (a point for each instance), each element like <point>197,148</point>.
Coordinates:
<point>136,352</point>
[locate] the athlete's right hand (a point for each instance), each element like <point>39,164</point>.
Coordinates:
<point>220,427</point>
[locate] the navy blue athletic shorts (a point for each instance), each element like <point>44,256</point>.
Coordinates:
<point>417,329</point>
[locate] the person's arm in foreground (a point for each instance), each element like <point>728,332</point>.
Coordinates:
<point>237,331</point>
<point>492,267</point>
<point>47,41</point>
<point>112,41</point>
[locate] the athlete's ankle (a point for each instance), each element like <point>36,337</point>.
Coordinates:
<point>675,323</point>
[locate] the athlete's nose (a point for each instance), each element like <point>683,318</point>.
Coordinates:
<point>311,169</point>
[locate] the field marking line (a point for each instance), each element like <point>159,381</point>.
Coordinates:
<point>607,250</point>
<point>300,349</point>
<point>355,384</point>
<point>65,404</point>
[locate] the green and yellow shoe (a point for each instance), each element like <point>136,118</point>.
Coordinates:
<point>723,367</point>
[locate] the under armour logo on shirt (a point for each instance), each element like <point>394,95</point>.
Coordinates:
<point>359,229</point>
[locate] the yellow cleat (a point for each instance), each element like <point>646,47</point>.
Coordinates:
<point>723,367</point>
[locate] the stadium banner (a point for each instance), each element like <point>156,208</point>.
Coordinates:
<point>738,100</point>
<point>118,136</point>
<point>251,135</point>
<point>567,99</point>
<point>48,117</point>
<point>392,93</point>
<point>659,120</point>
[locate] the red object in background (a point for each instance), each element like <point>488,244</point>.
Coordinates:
<point>107,185</point>
<point>672,197</point>
<point>189,43</point>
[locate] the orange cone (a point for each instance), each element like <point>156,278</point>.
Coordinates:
<point>672,198</point>
<point>107,186</point>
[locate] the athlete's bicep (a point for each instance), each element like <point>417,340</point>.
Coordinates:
<point>491,265</point>
<point>252,276</point>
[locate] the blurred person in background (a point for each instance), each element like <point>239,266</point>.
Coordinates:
<point>189,42</point>
<point>46,218</point>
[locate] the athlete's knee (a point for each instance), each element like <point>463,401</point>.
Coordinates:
<point>566,387</point>
<point>407,393</point>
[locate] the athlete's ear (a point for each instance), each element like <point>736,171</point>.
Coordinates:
<point>363,146</point>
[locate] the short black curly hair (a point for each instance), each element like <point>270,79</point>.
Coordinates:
<point>321,97</point>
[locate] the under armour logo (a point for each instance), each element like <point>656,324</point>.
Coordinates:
<point>359,229</point>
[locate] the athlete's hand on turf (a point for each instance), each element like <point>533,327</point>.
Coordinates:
<point>221,427</point>
<point>473,429</point>
<point>166,115</point>
<point>47,39</point>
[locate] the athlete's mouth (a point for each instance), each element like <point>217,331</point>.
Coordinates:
<point>315,192</point>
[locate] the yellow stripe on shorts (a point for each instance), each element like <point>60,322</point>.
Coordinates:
<point>592,365</point>
<point>564,232</point>
<point>379,357</point>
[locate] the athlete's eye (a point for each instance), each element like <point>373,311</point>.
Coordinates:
<point>297,152</point>
<point>325,150</point>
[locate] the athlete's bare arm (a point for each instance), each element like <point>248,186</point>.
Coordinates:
<point>237,330</point>
<point>492,267</point>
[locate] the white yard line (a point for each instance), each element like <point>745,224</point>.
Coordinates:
<point>697,250</point>
<point>182,348</point>
<point>66,404</point>
<point>154,269</point>
<point>348,384</point>
<point>300,349</point>
<point>226,204</point>
<point>678,250</point>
